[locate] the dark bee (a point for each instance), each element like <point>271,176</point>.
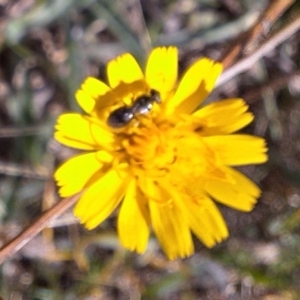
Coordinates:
<point>141,106</point>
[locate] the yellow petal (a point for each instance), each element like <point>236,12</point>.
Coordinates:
<point>161,70</point>
<point>206,221</point>
<point>225,116</point>
<point>150,189</point>
<point>133,220</point>
<point>79,131</point>
<point>171,228</point>
<point>101,199</point>
<point>123,69</point>
<point>241,194</point>
<point>195,86</point>
<point>238,149</point>
<point>77,171</point>
<point>91,91</point>
<point>204,218</point>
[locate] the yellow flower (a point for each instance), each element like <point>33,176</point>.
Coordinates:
<point>153,154</point>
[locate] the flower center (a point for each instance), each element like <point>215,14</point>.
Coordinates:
<point>167,148</point>
<point>150,147</point>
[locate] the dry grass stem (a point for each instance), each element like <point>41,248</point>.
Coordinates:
<point>276,39</point>
<point>24,171</point>
<point>35,228</point>
<point>260,29</point>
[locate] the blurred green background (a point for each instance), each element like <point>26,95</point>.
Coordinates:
<point>47,48</point>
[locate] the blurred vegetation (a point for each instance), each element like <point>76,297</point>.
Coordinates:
<point>46,49</point>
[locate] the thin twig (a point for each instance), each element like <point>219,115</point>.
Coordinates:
<point>29,233</point>
<point>17,132</point>
<point>253,35</point>
<point>276,39</point>
<point>24,171</point>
